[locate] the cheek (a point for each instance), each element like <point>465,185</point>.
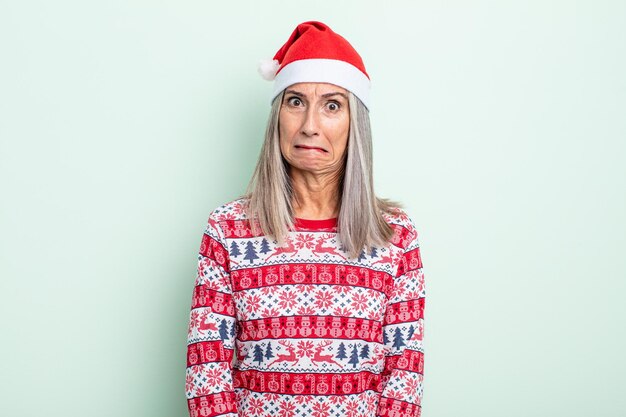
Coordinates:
<point>341,132</point>
<point>286,126</point>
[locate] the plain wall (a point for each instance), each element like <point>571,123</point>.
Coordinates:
<point>500,125</point>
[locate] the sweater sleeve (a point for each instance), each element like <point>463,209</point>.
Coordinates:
<point>211,332</point>
<point>403,328</point>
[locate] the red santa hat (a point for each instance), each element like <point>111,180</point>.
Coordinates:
<point>315,53</point>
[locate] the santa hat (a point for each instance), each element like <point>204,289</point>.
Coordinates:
<point>314,53</point>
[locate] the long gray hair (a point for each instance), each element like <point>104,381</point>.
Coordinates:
<point>360,223</point>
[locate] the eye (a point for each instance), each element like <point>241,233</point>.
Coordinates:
<point>294,101</point>
<point>334,106</point>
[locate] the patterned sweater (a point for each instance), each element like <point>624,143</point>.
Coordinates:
<point>302,330</point>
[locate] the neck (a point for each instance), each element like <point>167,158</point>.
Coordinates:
<point>316,197</point>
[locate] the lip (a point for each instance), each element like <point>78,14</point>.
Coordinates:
<point>310,148</point>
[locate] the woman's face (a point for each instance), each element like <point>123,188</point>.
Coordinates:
<point>314,123</point>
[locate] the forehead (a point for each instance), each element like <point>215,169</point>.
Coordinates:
<point>316,88</point>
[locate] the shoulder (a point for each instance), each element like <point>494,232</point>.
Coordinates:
<point>404,226</point>
<point>230,210</point>
<point>220,216</point>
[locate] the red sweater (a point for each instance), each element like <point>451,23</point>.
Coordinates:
<point>302,330</point>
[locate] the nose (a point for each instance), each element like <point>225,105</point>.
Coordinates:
<point>310,125</point>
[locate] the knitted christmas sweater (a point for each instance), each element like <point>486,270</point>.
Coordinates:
<point>302,330</point>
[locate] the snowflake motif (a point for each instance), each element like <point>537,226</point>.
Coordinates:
<point>306,311</point>
<point>372,402</point>
<point>304,240</point>
<point>305,348</point>
<point>214,376</point>
<point>335,400</point>
<point>324,299</point>
<point>213,285</point>
<point>203,390</point>
<point>352,408</point>
<point>342,289</point>
<point>272,396</point>
<point>266,290</point>
<point>288,299</point>
<point>255,406</point>
<point>411,387</point>
<point>286,409</point>
<point>254,302</point>
<point>342,312</point>
<point>237,208</point>
<point>269,312</point>
<point>359,302</point>
<point>413,295</point>
<point>240,395</point>
<point>189,383</point>
<point>321,409</point>
<point>396,395</point>
<point>301,399</point>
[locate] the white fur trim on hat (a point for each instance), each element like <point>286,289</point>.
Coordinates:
<point>324,70</point>
<point>267,68</point>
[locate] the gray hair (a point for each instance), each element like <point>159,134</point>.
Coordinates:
<point>360,223</point>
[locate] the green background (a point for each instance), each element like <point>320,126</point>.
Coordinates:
<point>501,126</point>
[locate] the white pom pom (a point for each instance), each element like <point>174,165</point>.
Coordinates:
<point>268,68</point>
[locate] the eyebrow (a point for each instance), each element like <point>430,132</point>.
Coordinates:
<point>334,93</point>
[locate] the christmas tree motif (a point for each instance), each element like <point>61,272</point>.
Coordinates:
<point>251,254</point>
<point>341,351</point>
<point>234,249</point>
<point>232,331</point>
<point>223,329</point>
<point>365,352</point>
<point>374,252</point>
<point>265,246</point>
<point>361,255</point>
<point>385,338</point>
<point>411,331</point>
<point>258,354</point>
<point>354,356</point>
<point>269,354</point>
<point>398,340</point>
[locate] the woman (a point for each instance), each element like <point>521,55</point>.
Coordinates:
<point>309,298</point>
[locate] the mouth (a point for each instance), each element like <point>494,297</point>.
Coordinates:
<point>313,148</point>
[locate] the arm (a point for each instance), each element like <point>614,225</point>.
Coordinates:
<point>211,336</point>
<point>404,328</point>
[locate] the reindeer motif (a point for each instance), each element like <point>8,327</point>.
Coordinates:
<point>290,248</point>
<point>289,357</point>
<point>384,260</point>
<point>319,357</point>
<point>241,352</point>
<point>203,325</point>
<point>375,356</point>
<point>319,248</point>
